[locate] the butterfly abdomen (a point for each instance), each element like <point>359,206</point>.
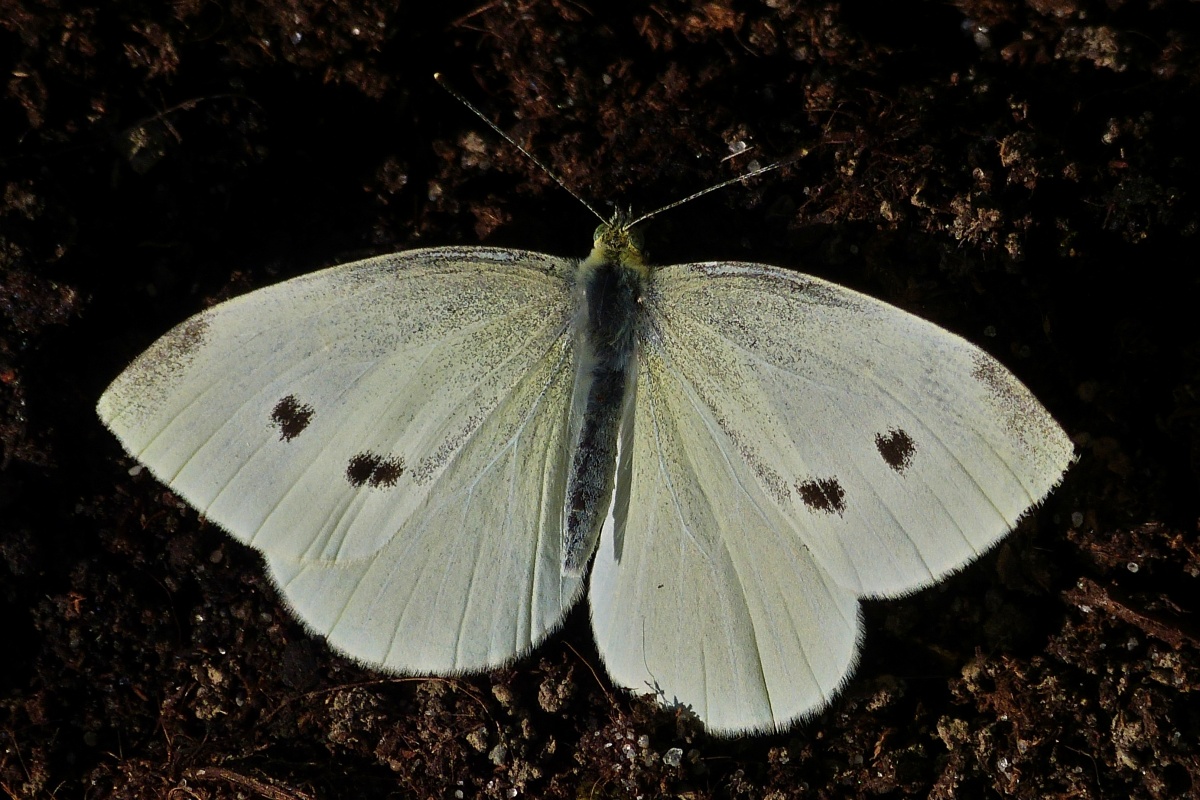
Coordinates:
<point>608,291</point>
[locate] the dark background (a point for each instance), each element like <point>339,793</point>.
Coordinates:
<point>1024,174</point>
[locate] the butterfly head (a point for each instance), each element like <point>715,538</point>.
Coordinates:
<point>617,241</point>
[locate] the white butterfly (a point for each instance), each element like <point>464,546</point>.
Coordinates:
<point>430,447</point>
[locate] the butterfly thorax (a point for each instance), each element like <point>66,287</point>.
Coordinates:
<point>609,287</point>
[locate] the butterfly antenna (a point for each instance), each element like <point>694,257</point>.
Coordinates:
<point>437,76</point>
<point>721,185</point>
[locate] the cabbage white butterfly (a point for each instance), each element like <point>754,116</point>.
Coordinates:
<point>435,449</point>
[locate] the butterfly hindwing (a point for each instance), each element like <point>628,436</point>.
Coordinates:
<point>705,595</point>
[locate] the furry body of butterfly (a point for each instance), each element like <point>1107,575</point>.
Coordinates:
<point>431,447</point>
<point>609,287</point>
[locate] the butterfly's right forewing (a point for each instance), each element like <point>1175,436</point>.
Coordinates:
<point>898,450</point>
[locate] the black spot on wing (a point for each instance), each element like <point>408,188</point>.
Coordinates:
<point>897,448</point>
<point>291,417</point>
<point>823,494</point>
<point>374,470</point>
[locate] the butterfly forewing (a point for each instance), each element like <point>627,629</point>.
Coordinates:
<point>311,417</point>
<point>897,450</point>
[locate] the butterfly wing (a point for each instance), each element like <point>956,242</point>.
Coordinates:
<point>705,595</point>
<point>382,431</point>
<point>475,576</point>
<point>798,445</point>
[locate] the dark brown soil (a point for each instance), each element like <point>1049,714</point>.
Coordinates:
<point>1022,173</point>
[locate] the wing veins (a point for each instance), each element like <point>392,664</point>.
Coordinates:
<point>689,393</point>
<point>346,522</point>
<point>468,495</point>
<point>882,389</point>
